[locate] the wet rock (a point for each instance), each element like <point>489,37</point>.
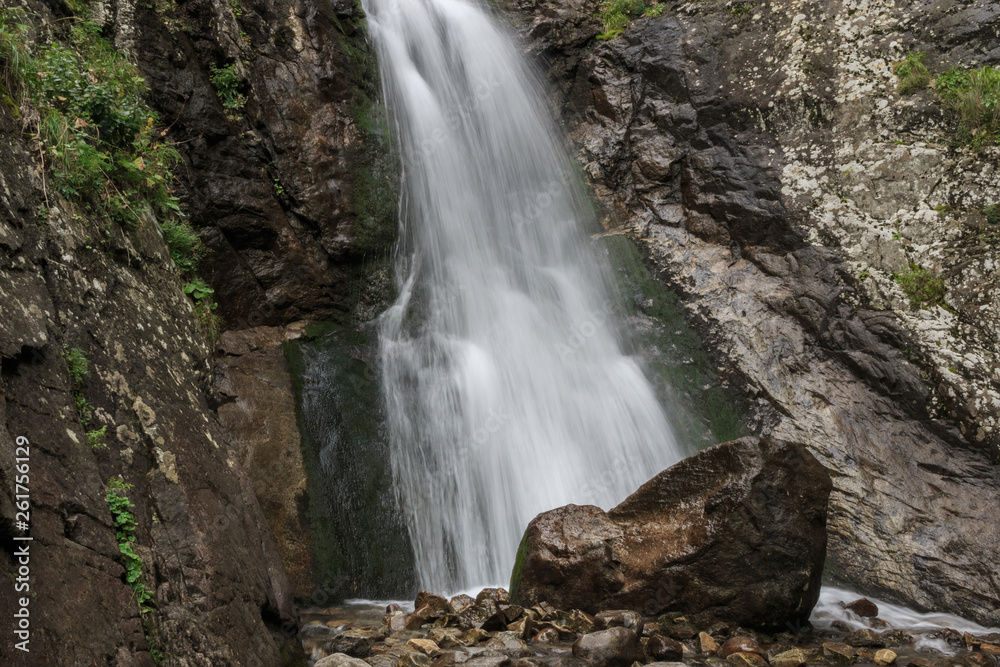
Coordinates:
<point>678,628</point>
<point>446,637</point>
<point>751,511</point>
<point>473,636</point>
<point>460,603</point>
<point>354,642</point>
<point>863,607</point>
<point>425,646</point>
<point>413,659</point>
<point>496,595</point>
<point>340,660</point>
<point>885,656</point>
<point>614,647</point>
<point>706,643</point>
<point>897,638</point>
<point>396,621</point>
<point>487,661</point>
<point>435,603</point>
<point>792,658</point>
<point>546,636</point>
<point>619,618</point>
<point>738,644</point>
<point>664,649</point>
<point>477,615</point>
<point>865,637</point>
<point>741,659</point>
<point>838,653</point>
<point>990,648</point>
<point>509,643</point>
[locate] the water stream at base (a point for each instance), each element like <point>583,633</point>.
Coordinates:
<point>506,386</point>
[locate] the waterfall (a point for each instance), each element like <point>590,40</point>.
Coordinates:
<point>506,386</point>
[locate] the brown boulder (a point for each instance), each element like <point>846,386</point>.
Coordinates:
<point>611,647</point>
<point>736,533</point>
<point>863,607</point>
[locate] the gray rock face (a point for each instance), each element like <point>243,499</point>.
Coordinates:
<point>734,534</point>
<point>772,175</point>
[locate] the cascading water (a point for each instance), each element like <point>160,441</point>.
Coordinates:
<point>505,383</point>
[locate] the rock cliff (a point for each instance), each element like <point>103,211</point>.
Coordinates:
<point>762,157</point>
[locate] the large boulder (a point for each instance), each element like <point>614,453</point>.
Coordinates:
<point>736,533</point>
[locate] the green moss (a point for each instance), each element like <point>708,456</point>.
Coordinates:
<point>515,574</point>
<point>702,411</point>
<point>360,546</point>
<point>374,158</point>
<point>992,214</point>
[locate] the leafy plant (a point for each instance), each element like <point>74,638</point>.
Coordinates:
<point>617,14</point>
<point>198,289</point>
<point>973,94</point>
<point>227,86</point>
<point>124,521</point>
<point>992,213</point>
<point>922,287</point>
<point>183,242</point>
<point>96,437</point>
<point>912,73</point>
<point>741,8</point>
<point>76,364</point>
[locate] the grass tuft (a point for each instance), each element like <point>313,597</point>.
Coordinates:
<point>923,288</point>
<point>973,94</point>
<point>617,14</point>
<point>913,73</point>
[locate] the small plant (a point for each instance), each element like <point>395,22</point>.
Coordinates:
<point>198,289</point>
<point>121,513</point>
<point>923,288</point>
<point>227,85</point>
<point>76,364</point>
<point>96,437</point>
<point>617,14</point>
<point>741,8</point>
<point>974,95</point>
<point>279,189</point>
<point>235,6</point>
<point>992,213</point>
<point>654,10</point>
<point>183,242</point>
<point>912,73</point>
<point>865,275</point>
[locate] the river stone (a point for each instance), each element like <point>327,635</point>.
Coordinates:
<point>865,637</point>
<point>736,533</point>
<point>664,648</point>
<point>341,660</point>
<point>618,618</point>
<point>611,647</point>
<point>863,607</point>
<point>885,657</point>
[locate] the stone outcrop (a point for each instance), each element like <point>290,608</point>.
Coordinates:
<point>735,534</point>
<point>218,585</point>
<point>763,160</point>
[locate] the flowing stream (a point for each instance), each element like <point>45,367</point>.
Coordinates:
<point>507,389</point>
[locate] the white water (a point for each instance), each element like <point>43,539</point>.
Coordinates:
<point>507,390</point>
<point>921,625</point>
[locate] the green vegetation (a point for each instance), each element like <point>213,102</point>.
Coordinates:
<point>515,573</point>
<point>992,213</point>
<point>923,288</point>
<point>741,8</point>
<point>121,512</point>
<point>974,95</point>
<point>617,14</point>
<point>96,437</point>
<point>78,368</point>
<point>913,73</point>
<point>227,84</point>
<point>96,134</point>
<point>204,305</point>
